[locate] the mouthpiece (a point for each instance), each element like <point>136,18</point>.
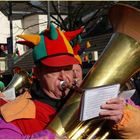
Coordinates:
<point>65,85</point>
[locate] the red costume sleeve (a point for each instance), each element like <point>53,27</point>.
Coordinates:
<point>44,114</point>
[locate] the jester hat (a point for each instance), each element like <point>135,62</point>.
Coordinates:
<point>51,47</point>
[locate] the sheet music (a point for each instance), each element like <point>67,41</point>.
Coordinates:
<point>9,94</point>
<point>93,98</point>
<point>127,94</point>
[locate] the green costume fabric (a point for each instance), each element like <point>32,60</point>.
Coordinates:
<point>2,86</point>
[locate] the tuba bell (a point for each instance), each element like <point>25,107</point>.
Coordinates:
<point>20,79</point>
<point>119,61</point>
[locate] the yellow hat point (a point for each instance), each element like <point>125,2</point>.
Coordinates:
<point>78,58</point>
<point>35,39</point>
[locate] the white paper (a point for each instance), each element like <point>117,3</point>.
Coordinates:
<point>127,94</point>
<point>93,98</point>
<point>9,94</point>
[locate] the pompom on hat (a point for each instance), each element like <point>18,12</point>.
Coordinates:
<point>51,47</point>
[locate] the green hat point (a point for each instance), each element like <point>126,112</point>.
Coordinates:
<point>53,33</point>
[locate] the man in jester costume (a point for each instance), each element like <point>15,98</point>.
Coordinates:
<point>31,112</point>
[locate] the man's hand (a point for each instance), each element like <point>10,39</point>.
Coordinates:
<point>113,109</point>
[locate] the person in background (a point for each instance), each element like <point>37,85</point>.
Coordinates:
<point>77,74</point>
<point>16,70</point>
<point>77,68</point>
<point>29,115</point>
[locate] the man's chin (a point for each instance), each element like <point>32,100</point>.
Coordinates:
<point>53,96</point>
<point>60,95</point>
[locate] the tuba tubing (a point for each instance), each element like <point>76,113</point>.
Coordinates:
<point>20,79</point>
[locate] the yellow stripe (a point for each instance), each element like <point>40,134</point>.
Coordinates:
<point>78,58</point>
<point>69,48</point>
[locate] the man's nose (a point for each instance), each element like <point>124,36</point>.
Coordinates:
<point>74,74</point>
<point>62,74</point>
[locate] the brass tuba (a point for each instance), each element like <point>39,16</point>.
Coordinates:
<point>20,79</point>
<point>119,61</point>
